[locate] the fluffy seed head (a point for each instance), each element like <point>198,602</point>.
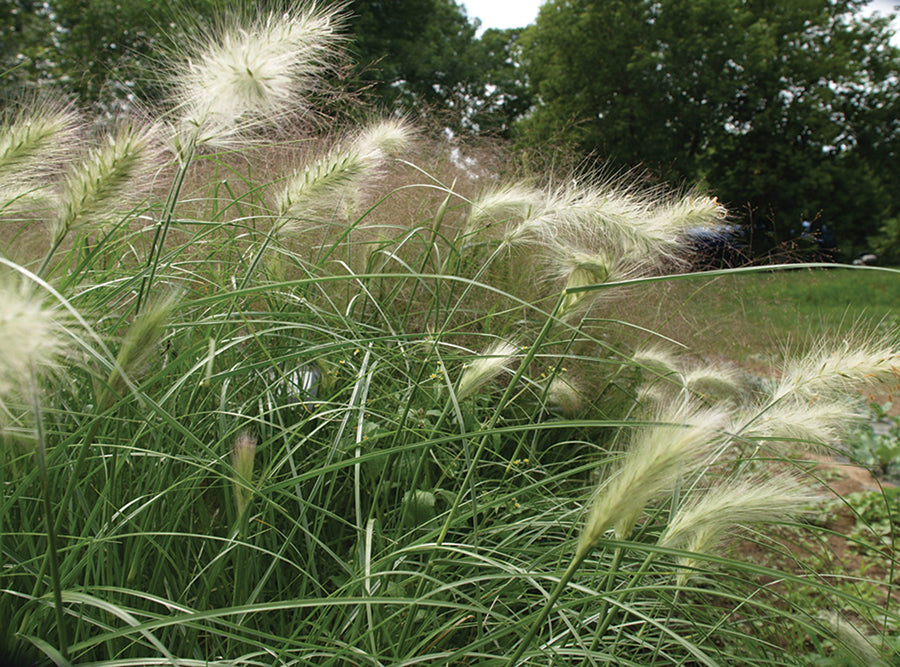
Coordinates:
<point>564,397</point>
<point>857,646</point>
<point>703,521</point>
<point>658,456</point>
<point>140,344</point>
<point>807,422</point>
<point>235,78</point>
<point>857,364</point>
<point>115,172</point>
<point>712,383</point>
<point>657,359</point>
<point>36,339</point>
<point>34,141</point>
<point>581,270</point>
<point>383,138</point>
<point>692,211</point>
<point>511,202</point>
<point>337,180</point>
<point>489,365</point>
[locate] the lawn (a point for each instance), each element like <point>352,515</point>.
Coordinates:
<point>752,318</point>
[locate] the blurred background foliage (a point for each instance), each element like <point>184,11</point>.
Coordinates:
<point>789,112</point>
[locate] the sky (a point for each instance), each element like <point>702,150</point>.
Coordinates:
<point>519,13</point>
<point>502,13</point>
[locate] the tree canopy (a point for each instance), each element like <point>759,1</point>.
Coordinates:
<point>423,56</point>
<point>786,110</point>
<point>412,56</point>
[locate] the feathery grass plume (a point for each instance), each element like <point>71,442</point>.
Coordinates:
<point>819,422</point>
<point>503,204</point>
<point>673,218</point>
<point>584,215</point>
<point>662,376</point>
<point>657,359</point>
<point>709,382</point>
<point>37,339</point>
<point>35,139</point>
<point>564,397</point>
<point>489,365</point>
<point>336,180</point>
<point>141,342</point>
<point>706,518</point>
<point>712,382</point>
<point>855,645</point>
<point>115,172</point>
<point>657,458</point>
<point>859,363</point>
<point>616,219</point>
<point>246,73</point>
<point>243,453</point>
<point>590,234</point>
<point>580,269</point>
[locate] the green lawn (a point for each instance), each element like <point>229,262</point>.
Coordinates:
<point>750,317</point>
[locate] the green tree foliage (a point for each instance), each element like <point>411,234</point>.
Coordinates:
<point>25,39</point>
<point>787,110</point>
<point>423,56</point>
<point>100,51</point>
<point>414,56</point>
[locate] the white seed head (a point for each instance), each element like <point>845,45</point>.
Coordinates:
<point>488,366</point>
<point>235,79</point>
<point>657,359</point>
<point>804,421</point>
<point>859,363</point>
<point>707,518</point>
<point>36,339</point>
<point>564,396</point>
<point>860,648</point>
<point>383,138</point>
<point>35,140</point>
<point>689,212</point>
<point>657,457</point>
<point>515,202</point>
<point>115,173</point>
<point>336,182</point>
<point>712,382</point>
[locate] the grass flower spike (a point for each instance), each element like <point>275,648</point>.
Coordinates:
<point>34,141</point>
<point>489,365</point>
<point>820,422</point>
<point>238,78</point>
<point>700,524</point>
<point>336,181</point>
<point>242,458</point>
<point>36,339</point>
<point>657,458</point>
<point>112,174</point>
<point>853,366</point>
<point>515,202</point>
<point>564,397</point>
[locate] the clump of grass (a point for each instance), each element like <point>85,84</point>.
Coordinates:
<point>389,443</point>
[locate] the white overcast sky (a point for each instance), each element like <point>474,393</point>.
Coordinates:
<point>519,13</point>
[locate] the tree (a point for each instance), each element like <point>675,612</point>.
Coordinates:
<point>422,56</point>
<point>99,51</point>
<point>412,56</point>
<point>778,107</point>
